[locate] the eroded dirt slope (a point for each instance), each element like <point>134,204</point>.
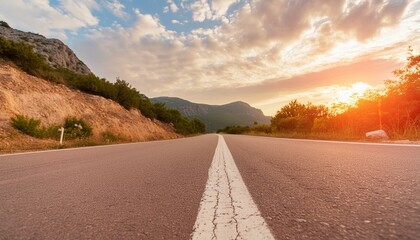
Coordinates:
<point>23,94</point>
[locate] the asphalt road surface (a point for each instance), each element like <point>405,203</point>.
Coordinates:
<point>213,187</point>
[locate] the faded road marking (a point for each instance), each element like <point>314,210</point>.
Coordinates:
<point>227,210</point>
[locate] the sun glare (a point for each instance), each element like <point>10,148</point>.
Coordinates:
<point>349,95</point>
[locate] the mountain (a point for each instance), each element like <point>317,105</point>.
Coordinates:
<point>55,52</point>
<point>216,116</point>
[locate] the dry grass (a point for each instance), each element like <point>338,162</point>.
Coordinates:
<point>409,136</point>
<point>12,141</point>
<point>319,136</point>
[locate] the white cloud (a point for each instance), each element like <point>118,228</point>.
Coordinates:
<point>39,16</point>
<point>220,7</point>
<point>173,6</point>
<point>117,8</point>
<point>265,41</point>
<point>136,11</point>
<point>201,11</point>
<point>216,10</point>
<point>166,9</point>
<point>183,4</point>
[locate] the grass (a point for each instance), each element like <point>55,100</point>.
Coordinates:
<point>332,136</point>
<point>318,136</point>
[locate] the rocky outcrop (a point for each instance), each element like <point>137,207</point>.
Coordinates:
<point>55,52</point>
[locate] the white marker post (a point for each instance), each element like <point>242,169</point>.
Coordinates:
<point>62,135</point>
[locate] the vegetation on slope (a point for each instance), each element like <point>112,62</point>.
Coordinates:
<point>216,116</point>
<point>73,128</point>
<point>4,24</point>
<point>24,57</point>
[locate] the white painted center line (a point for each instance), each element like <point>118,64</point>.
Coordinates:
<point>227,210</point>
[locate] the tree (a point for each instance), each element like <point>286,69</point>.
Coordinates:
<point>198,126</point>
<point>292,109</point>
<point>77,128</point>
<point>4,24</point>
<point>408,79</point>
<point>401,102</point>
<point>296,116</point>
<point>127,96</point>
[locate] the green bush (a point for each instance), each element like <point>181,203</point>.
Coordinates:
<point>262,128</point>
<point>287,124</point>
<point>27,125</point>
<point>234,129</point>
<point>320,125</point>
<point>50,132</point>
<point>197,126</point>
<point>4,24</point>
<point>22,55</point>
<point>33,127</point>
<point>76,128</point>
<point>109,137</point>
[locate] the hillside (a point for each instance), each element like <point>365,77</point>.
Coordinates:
<point>23,94</point>
<point>55,52</point>
<point>217,116</point>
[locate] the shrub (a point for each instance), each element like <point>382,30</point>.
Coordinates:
<point>197,126</point>
<point>287,124</point>
<point>76,128</point>
<point>109,137</point>
<point>235,129</point>
<point>27,125</point>
<point>34,128</point>
<point>4,24</point>
<point>320,125</point>
<point>22,55</point>
<point>262,128</point>
<point>50,132</point>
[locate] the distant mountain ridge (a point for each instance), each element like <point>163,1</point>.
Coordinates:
<point>56,53</point>
<point>217,116</point>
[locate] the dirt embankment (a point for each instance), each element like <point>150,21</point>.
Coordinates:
<point>23,94</point>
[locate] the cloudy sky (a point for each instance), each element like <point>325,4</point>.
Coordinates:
<point>264,52</point>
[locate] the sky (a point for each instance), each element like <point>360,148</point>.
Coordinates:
<point>264,52</point>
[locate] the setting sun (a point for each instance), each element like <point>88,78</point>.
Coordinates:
<point>349,95</point>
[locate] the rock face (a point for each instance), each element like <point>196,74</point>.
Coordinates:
<point>55,52</point>
<point>217,116</point>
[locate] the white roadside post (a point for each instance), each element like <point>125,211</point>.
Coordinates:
<point>62,135</point>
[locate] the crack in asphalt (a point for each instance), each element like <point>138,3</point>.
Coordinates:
<point>231,200</point>
<point>215,207</point>
<point>227,210</point>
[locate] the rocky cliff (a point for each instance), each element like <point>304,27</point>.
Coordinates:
<point>55,52</point>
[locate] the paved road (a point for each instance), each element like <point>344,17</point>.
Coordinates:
<point>181,188</point>
<point>319,190</point>
<point>137,191</point>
